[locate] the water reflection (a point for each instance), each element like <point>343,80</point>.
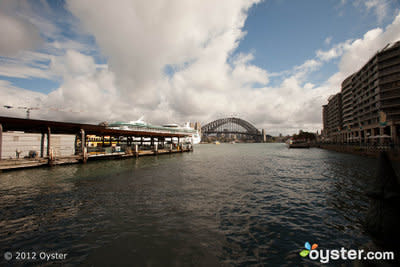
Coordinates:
<point>220,205</point>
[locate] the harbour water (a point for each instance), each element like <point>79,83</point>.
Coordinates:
<point>228,204</point>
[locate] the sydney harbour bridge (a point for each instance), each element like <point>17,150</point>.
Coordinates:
<point>232,129</point>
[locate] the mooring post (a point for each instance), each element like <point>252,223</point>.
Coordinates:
<point>156,148</point>
<point>49,154</point>
<point>83,146</point>
<point>136,150</point>
<point>1,138</point>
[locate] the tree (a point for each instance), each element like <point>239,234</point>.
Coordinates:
<point>304,136</point>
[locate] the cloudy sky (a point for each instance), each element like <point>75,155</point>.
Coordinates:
<point>272,62</point>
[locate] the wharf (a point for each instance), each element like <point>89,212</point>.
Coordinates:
<point>109,144</point>
<point>367,150</point>
<point>12,164</point>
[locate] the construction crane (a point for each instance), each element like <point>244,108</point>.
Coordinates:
<point>28,109</point>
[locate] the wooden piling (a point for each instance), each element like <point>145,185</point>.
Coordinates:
<point>1,138</point>
<point>83,146</point>
<point>156,148</point>
<point>48,141</point>
<point>49,152</point>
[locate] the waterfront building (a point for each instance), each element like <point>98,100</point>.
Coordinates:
<point>21,145</point>
<point>332,118</point>
<point>347,103</point>
<point>369,104</point>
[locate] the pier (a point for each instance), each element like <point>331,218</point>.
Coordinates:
<point>91,142</point>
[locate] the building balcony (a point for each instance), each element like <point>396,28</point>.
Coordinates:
<point>391,78</point>
<point>390,105</point>
<point>388,55</point>
<point>390,71</point>
<point>390,95</point>
<point>388,63</point>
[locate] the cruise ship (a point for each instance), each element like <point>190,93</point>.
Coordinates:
<point>186,127</point>
<point>140,125</point>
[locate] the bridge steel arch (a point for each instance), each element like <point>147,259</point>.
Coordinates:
<point>249,129</point>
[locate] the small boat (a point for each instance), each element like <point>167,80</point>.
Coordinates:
<point>298,144</point>
<point>216,143</point>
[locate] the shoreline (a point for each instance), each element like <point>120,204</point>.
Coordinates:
<point>366,151</point>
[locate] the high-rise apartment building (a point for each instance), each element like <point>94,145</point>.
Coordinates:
<point>332,117</point>
<point>370,102</point>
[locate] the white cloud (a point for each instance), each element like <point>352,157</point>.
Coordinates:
<point>139,40</point>
<point>355,53</point>
<point>144,38</point>
<point>361,50</point>
<point>380,8</point>
<point>328,40</point>
<point>335,52</point>
<point>17,97</point>
<point>16,32</point>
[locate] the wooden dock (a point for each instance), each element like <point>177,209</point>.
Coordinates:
<point>116,144</point>
<point>13,164</point>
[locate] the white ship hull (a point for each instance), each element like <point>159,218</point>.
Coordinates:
<point>196,138</point>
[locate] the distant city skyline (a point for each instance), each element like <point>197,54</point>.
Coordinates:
<point>273,63</point>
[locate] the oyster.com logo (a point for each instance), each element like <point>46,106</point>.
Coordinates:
<point>326,255</point>
<point>305,252</point>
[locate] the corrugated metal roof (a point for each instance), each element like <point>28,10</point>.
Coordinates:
<point>56,127</point>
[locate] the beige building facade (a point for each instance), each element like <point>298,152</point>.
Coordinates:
<point>370,102</point>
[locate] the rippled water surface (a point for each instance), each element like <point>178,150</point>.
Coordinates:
<point>228,205</point>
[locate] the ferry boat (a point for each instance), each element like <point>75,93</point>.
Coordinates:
<point>297,144</point>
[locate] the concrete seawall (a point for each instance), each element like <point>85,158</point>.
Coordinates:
<point>368,151</point>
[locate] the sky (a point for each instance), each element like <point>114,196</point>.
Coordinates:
<point>273,63</point>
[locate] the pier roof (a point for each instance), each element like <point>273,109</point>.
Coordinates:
<point>57,127</point>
